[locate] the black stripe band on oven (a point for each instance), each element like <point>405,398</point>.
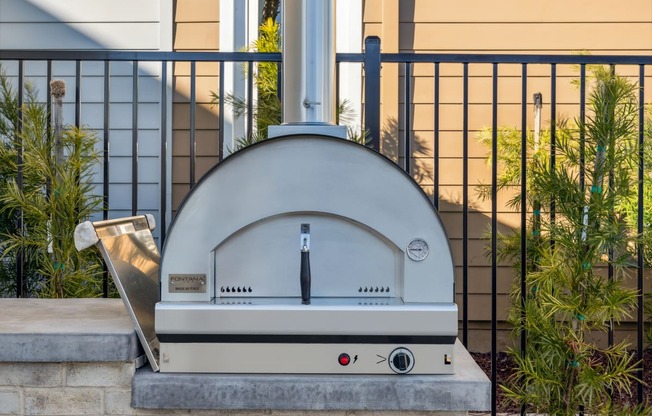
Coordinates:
<point>304,339</point>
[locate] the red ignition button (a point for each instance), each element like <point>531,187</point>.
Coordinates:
<point>344,359</point>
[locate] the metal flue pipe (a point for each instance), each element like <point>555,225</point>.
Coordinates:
<point>308,62</point>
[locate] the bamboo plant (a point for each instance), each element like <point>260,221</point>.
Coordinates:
<point>569,298</point>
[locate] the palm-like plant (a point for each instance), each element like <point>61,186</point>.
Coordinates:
<point>568,296</point>
<point>267,109</point>
<point>52,200</point>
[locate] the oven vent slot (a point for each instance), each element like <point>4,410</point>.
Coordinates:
<point>373,289</point>
<point>236,289</point>
<point>372,303</point>
<point>236,303</point>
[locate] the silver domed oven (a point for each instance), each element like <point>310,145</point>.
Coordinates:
<point>305,253</point>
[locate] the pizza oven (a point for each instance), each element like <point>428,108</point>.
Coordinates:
<point>304,253</point>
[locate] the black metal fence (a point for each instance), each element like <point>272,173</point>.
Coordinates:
<point>373,62</point>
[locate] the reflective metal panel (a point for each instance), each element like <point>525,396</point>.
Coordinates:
<point>324,316</point>
<point>308,61</point>
<point>133,260</point>
<point>274,358</point>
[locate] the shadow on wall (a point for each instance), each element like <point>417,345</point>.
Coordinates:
<point>392,148</point>
<point>450,201</point>
<point>23,25</point>
<point>407,14</point>
<point>97,25</point>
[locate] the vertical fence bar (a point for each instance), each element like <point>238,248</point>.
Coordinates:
<point>134,140</point>
<point>582,121</point>
<point>494,233</point>
<point>372,90</point>
<point>20,255</point>
<point>250,99</point>
<point>105,138</point>
<point>279,81</point>
<point>77,93</point>
<point>407,117</point>
<point>105,164</point>
<point>553,135</point>
<point>220,137</point>
<point>48,129</point>
<point>337,92</point>
<point>582,173</point>
<point>639,247</point>
<point>581,406</point>
<point>193,104</point>
<point>48,94</point>
<point>163,153</point>
<point>48,100</point>
<point>465,205</point>
<point>524,208</point>
<point>610,251</point>
<point>436,138</point>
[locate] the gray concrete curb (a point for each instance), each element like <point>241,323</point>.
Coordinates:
<point>66,330</point>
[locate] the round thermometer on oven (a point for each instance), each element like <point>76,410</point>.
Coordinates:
<point>418,249</point>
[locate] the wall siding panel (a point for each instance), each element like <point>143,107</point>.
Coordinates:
<point>101,25</point>
<point>519,11</point>
<point>515,27</point>
<point>80,11</point>
<point>196,28</point>
<point>64,35</point>
<point>570,37</point>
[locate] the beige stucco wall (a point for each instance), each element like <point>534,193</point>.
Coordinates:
<point>466,26</point>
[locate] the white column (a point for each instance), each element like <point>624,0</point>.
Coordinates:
<point>166,23</point>
<point>349,40</point>
<point>238,27</point>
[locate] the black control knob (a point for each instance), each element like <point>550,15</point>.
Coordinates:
<point>401,360</point>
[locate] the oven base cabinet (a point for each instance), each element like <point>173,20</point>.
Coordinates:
<point>307,358</point>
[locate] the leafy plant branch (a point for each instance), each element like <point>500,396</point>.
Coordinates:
<point>52,199</point>
<point>568,295</point>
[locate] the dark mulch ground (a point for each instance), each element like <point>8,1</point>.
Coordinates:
<point>505,366</point>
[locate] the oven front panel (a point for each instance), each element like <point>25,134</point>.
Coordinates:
<point>284,358</point>
<point>346,258</point>
<point>287,316</point>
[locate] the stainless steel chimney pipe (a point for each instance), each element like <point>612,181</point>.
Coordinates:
<point>308,61</point>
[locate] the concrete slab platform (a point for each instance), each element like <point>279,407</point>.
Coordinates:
<point>66,330</point>
<point>468,389</point>
<point>99,330</point>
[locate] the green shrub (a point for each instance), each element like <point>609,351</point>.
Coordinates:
<point>52,201</point>
<point>568,296</point>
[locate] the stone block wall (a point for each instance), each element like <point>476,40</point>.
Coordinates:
<point>66,388</point>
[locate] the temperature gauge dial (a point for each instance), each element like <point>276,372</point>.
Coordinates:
<point>418,249</point>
